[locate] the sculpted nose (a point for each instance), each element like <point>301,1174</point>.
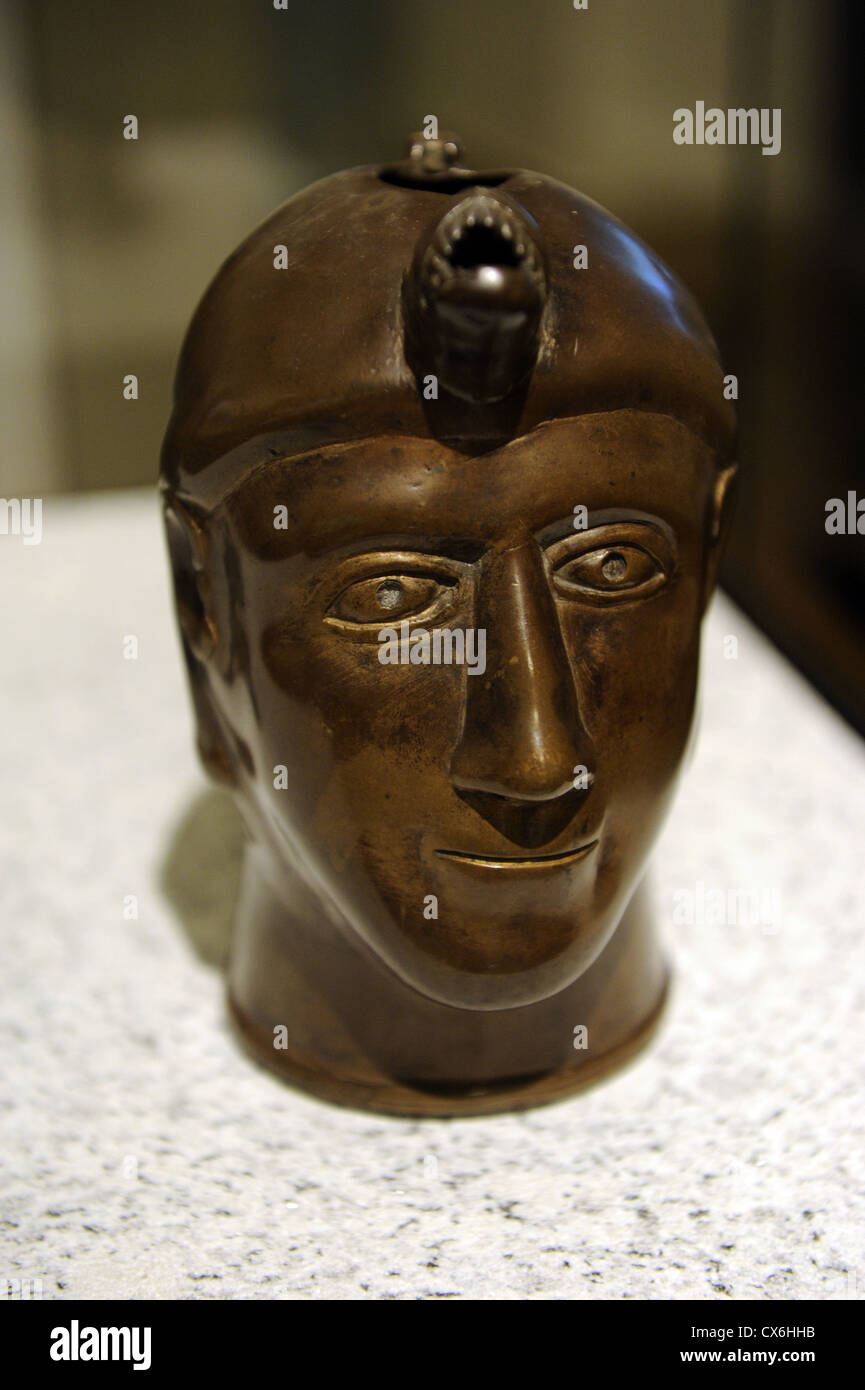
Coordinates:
<point>522,734</point>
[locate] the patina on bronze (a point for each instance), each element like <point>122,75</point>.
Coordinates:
<point>409,404</point>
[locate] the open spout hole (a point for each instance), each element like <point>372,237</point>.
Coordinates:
<point>480,245</point>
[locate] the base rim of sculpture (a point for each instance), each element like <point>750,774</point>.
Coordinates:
<point>391,1097</point>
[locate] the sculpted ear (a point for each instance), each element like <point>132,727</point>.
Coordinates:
<point>723,500</point>
<point>187,546</point>
<point>194,601</point>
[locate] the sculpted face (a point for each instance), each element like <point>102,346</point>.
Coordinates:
<point>445,503</point>
<point>523,798</point>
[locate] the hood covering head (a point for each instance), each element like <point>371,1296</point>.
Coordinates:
<point>425,299</point>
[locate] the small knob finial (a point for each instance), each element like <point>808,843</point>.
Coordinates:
<point>434,155</point>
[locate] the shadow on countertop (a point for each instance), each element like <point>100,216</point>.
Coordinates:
<point>201,873</point>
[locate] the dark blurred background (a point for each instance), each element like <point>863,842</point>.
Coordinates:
<point>107,244</point>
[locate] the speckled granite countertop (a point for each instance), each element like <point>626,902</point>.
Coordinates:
<point>143,1156</point>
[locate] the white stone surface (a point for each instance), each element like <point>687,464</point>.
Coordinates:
<point>143,1155</point>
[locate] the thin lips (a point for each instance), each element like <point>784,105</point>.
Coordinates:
<point>536,861</point>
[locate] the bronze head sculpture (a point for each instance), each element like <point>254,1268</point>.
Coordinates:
<point>445,484</point>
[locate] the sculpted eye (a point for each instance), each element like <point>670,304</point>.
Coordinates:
<point>610,572</point>
<point>384,599</point>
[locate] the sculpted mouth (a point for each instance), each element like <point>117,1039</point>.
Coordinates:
<point>525,862</point>
<point>481,231</point>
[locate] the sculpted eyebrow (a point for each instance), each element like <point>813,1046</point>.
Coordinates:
<point>559,530</point>
<point>459,548</point>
